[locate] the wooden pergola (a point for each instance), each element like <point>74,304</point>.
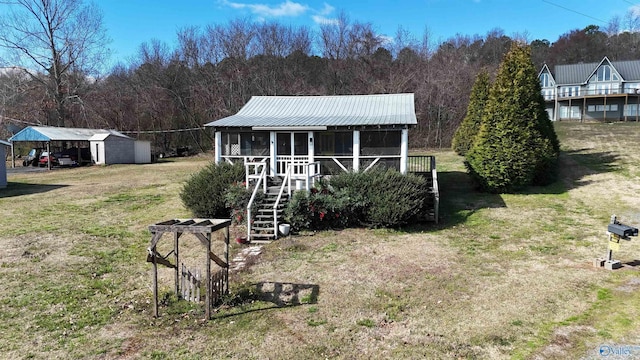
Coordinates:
<point>202,229</point>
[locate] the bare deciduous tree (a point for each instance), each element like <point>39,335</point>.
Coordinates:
<point>62,39</point>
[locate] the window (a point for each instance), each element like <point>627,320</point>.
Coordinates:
<point>545,80</point>
<point>231,143</point>
<point>255,144</point>
<point>632,88</point>
<point>333,143</point>
<point>605,73</point>
<point>567,112</point>
<point>570,91</point>
<point>300,146</point>
<point>380,142</point>
<point>631,110</point>
<point>602,108</point>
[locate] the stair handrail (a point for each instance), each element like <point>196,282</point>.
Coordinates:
<point>310,178</point>
<point>436,192</point>
<point>285,182</point>
<point>261,179</point>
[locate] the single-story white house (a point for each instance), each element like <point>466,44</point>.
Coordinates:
<point>298,138</point>
<point>340,133</point>
<point>3,163</point>
<point>106,146</point>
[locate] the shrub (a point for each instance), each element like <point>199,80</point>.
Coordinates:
<point>377,198</point>
<point>203,193</point>
<point>384,198</point>
<point>236,199</point>
<point>321,208</point>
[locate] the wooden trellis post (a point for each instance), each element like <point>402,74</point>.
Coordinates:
<point>202,229</point>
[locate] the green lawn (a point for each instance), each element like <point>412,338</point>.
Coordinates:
<point>501,276</point>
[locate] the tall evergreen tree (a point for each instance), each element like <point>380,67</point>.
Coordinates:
<point>468,129</point>
<point>517,145</point>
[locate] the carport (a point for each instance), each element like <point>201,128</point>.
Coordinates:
<point>80,138</point>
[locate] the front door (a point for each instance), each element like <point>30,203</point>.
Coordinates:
<point>291,147</point>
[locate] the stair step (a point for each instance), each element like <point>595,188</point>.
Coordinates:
<point>270,206</point>
<point>262,237</point>
<point>262,222</point>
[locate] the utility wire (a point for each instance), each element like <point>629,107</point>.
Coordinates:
<point>124,132</point>
<point>20,121</point>
<point>161,131</point>
<point>574,11</point>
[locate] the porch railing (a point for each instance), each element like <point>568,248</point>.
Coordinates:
<point>297,163</point>
<point>299,168</point>
<point>421,164</point>
<point>253,171</point>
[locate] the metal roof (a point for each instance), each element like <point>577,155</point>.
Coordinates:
<point>310,111</point>
<point>629,70</point>
<point>574,74</point>
<point>50,133</point>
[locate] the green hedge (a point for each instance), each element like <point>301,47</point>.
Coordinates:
<point>376,198</point>
<point>204,192</point>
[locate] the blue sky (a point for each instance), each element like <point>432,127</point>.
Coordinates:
<point>132,22</point>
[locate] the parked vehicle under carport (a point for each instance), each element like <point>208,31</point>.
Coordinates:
<point>32,157</point>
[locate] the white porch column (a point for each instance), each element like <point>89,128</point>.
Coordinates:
<point>555,100</point>
<point>311,147</point>
<point>356,150</point>
<point>272,153</point>
<point>218,147</point>
<point>404,150</point>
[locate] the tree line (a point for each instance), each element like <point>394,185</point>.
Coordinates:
<point>214,70</point>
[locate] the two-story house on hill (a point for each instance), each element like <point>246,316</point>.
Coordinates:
<point>604,91</point>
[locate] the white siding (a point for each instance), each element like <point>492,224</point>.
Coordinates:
<point>97,152</point>
<point>142,152</point>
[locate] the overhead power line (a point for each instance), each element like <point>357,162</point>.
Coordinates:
<point>574,11</point>
<point>160,131</point>
<point>124,132</point>
<point>20,121</point>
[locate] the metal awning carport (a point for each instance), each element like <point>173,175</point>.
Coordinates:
<point>51,133</point>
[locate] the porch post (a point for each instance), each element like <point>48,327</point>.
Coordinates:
<point>218,147</point>
<point>356,150</point>
<point>311,147</point>
<point>555,108</point>
<point>272,153</point>
<point>404,150</point>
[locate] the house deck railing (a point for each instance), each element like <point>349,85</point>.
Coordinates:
<point>421,164</point>
<point>614,91</point>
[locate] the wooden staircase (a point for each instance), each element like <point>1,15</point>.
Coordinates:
<point>263,228</point>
